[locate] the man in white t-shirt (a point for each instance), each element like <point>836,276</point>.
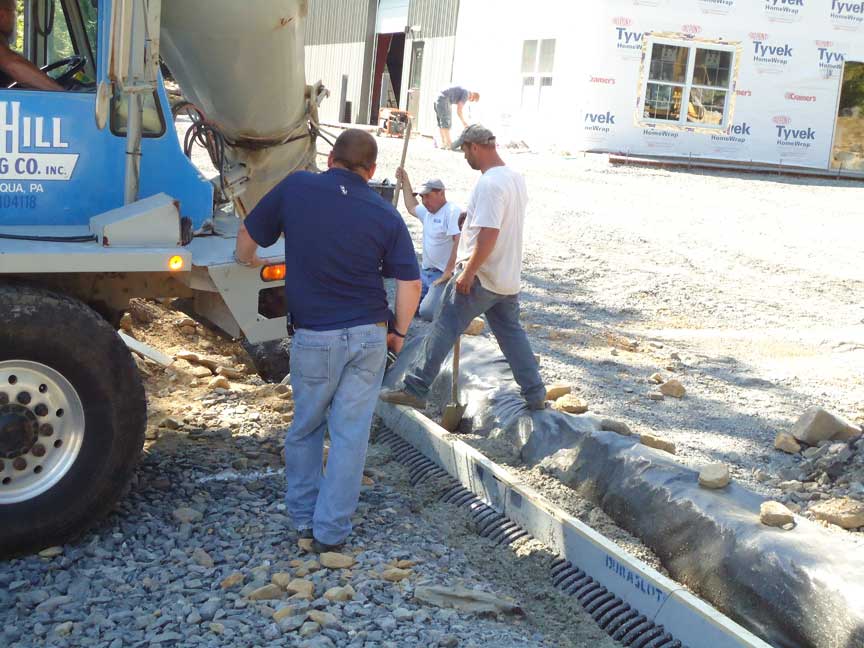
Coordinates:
<point>440,220</point>
<point>487,281</point>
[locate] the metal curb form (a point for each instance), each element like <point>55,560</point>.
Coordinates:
<point>635,604</point>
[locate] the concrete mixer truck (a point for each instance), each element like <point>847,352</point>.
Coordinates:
<point>99,204</point>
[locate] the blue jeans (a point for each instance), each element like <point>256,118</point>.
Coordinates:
<point>454,314</point>
<point>430,303</point>
<point>336,377</point>
<point>428,276</point>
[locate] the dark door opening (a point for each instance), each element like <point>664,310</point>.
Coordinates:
<point>387,76</point>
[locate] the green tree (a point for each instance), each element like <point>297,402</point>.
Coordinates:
<point>852,92</point>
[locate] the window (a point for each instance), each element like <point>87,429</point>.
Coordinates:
<point>153,124</point>
<point>416,74</point>
<point>688,83</point>
<point>538,62</point>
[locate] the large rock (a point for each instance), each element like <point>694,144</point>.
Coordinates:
<point>475,327</point>
<point>714,476</point>
<point>324,619</point>
<point>571,404</point>
<point>845,512</point>
<point>817,424</point>
<point>787,443</point>
<point>618,427</point>
<point>556,391</point>
<point>395,575</point>
<point>266,593</point>
<point>673,388</point>
<point>775,514</point>
<point>656,442</point>
<point>340,593</point>
<point>332,560</point>
<point>302,587</point>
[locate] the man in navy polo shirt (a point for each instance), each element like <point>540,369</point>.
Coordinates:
<point>341,240</point>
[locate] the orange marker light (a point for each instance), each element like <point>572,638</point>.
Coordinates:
<point>273,272</point>
<point>175,263</point>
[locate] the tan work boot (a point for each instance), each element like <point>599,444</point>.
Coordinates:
<point>402,397</point>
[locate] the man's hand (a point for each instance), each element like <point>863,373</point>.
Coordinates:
<point>464,282</point>
<point>443,279</point>
<point>401,176</point>
<point>395,343</point>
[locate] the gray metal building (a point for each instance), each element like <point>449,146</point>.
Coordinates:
<point>373,53</point>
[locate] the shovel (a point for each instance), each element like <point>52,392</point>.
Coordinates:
<point>453,412</point>
<point>402,164</point>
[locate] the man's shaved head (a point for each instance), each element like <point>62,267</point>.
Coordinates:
<point>355,149</point>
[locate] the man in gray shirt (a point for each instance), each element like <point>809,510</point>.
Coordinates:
<point>449,97</point>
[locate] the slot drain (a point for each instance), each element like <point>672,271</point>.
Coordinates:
<point>618,619</point>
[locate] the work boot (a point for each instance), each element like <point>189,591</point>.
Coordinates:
<point>320,547</point>
<point>402,397</point>
<point>305,539</point>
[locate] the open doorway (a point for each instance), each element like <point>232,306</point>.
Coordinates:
<point>848,151</point>
<point>387,76</point>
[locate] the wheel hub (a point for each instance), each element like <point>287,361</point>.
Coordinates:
<point>19,431</point>
<point>41,429</point>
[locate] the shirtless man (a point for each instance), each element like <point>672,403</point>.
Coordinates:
<point>12,64</point>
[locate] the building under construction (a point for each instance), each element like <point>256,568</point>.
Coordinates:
<point>756,82</point>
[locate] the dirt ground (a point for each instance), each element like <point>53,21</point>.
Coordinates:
<point>241,426</point>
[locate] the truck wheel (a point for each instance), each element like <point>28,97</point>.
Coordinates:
<point>272,360</point>
<point>72,418</point>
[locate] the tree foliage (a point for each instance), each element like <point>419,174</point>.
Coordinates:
<point>852,94</point>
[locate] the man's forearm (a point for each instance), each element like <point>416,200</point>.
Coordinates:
<point>459,114</point>
<point>27,74</point>
<point>407,300</point>
<point>408,195</point>
<point>485,245</point>
<point>451,262</point>
<point>246,246</point>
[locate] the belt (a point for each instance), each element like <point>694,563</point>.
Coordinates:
<point>381,324</point>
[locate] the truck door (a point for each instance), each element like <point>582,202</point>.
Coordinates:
<point>49,140</point>
<point>57,168</point>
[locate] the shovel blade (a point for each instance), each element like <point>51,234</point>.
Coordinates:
<point>452,416</point>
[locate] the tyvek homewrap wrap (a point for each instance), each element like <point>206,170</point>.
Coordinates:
<point>790,59</point>
<point>793,588</point>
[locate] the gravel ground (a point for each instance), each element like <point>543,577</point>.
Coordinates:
<point>183,559</point>
<point>746,288</point>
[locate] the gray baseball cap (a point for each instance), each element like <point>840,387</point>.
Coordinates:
<point>475,134</point>
<point>429,186</point>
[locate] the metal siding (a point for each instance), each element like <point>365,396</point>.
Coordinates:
<point>437,68</point>
<point>328,63</point>
<point>336,21</point>
<point>437,18</point>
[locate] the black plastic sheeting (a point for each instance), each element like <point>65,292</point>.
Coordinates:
<point>795,589</point>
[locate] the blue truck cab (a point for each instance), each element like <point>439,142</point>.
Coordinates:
<point>91,216</point>
<point>57,166</point>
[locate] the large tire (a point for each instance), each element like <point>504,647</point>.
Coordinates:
<point>61,354</point>
<point>272,360</point>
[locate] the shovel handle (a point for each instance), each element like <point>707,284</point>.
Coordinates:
<point>457,347</point>
<point>402,164</point>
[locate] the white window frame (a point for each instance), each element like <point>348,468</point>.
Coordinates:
<point>536,89</point>
<point>692,45</point>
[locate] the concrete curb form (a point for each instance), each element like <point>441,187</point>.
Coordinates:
<point>796,589</point>
<point>686,617</point>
